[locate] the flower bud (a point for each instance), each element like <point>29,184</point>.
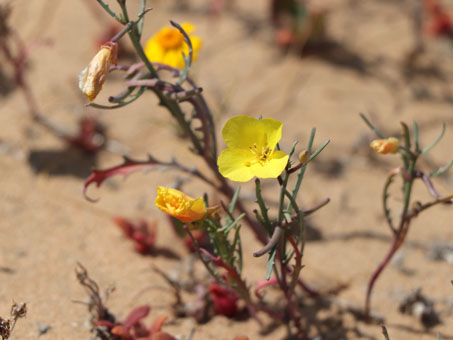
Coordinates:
<point>93,76</point>
<point>177,204</point>
<point>304,156</point>
<point>385,146</point>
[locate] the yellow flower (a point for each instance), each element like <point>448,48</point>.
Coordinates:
<point>167,45</point>
<point>93,76</point>
<point>385,146</point>
<point>250,151</point>
<point>177,204</point>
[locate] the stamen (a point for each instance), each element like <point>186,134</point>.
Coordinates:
<point>261,156</point>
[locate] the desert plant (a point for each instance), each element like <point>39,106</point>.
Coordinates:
<point>410,151</point>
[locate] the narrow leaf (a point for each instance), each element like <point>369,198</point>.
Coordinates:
<point>441,170</point>
<point>416,139</point>
<point>226,229</point>
<point>270,263</point>
<point>385,198</point>
<point>425,150</point>
<point>371,126</point>
<point>318,151</point>
<point>406,135</point>
<point>234,200</point>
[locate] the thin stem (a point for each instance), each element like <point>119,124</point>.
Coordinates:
<point>121,33</point>
<point>397,241</point>
<point>199,254</point>
<point>109,11</point>
<point>141,21</point>
<point>262,205</point>
<point>399,234</point>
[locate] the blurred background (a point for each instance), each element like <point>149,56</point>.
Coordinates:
<point>306,63</point>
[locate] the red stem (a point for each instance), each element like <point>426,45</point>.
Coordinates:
<point>398,239</point>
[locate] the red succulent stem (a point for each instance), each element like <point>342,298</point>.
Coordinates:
<point>398,240</point>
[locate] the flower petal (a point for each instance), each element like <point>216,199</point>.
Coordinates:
<point>232,162</point>
<point>179,205</point>
<point>242,132</point>
<point>272,130</point>
<point>273,168</point>
<point>174,58</point>
<point>188,27</point>
<point>154,51</point>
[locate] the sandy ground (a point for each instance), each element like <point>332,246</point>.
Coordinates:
<point>47,226</point>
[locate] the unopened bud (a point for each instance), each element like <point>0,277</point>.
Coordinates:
<point>93,76</point>
<point>304,156</point>
<point>385,146</point>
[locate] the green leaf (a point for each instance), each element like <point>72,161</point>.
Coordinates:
<point>300,174</point>
<point>226,229</point>
<point>293,148</point>
<point>237,246</point>
<point>441,170</point>
<point>311,139</point>
<point>234,200</point>
<point>425,150</point>
<point>109,11</point>
<point>318,151</point>
<point>416,139</point>
<point>385,198</point>
<point>371,126</point>
<point>120,104</point>
<point>271,262</point>
<point>406,135</point>
<point>265,221</point>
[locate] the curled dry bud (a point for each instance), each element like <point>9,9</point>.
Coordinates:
<point>304,156</point>
<point>385,146</point>
<point>93,76</point>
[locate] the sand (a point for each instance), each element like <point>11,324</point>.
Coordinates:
<point>47,226</point>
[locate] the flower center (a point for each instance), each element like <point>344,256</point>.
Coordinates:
<point>170,38</point>
<point>262,155</point>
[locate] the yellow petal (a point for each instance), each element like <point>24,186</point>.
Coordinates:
<point>385,146</point>
<point>174,58</point>
<point>154,51</point>
<point>272,131</point>
<point>188,27</point>
<point>197,210</point>
<point>241,132</point>
<point>245,131</point>
<point>273,168</point>
<point>232,162</point>
<point>177,204</point>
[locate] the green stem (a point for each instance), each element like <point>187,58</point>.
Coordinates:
<point>141,20</point>
<point>301,173</point>
<point>122,4</point>
<point>263,208</point>
<point>282,198</point>
<point>109,11</point>
<point>407,189</point>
